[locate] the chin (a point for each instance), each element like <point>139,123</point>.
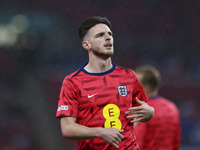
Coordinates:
<point>104,54</point>
<point>109,54</point>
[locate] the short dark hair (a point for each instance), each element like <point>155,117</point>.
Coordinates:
<point>150,76</point>
<point>86,25</point>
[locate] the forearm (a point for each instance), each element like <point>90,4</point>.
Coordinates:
<point>72,130</point>
<point>75,131</point>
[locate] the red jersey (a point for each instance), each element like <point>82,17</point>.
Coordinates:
<point>101,100</point>
<point>162,132</point>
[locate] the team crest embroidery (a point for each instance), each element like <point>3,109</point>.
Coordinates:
<point>122,90</point>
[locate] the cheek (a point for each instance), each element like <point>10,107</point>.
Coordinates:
<point>97,44</point>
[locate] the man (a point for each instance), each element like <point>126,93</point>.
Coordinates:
<point>163,130</point>
<point>96,105</point>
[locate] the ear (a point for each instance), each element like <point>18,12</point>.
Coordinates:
<point>86,45</point>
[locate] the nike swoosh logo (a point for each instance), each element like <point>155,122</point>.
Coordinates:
<point>89,96</point>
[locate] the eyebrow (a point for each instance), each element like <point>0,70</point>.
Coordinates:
<point>102,33</point>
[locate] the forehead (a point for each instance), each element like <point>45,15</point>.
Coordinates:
<point>99,28</point>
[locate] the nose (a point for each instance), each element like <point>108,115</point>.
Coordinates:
<point>107,36</point>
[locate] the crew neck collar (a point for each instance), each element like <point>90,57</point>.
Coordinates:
<point>101,73</point>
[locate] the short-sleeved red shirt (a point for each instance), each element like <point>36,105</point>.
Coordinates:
<point>101,100</point>
<point>162,132</point>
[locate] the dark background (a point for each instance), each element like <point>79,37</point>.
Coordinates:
<point>39,46</point>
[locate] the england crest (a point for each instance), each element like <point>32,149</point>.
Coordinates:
<point>122,90</point>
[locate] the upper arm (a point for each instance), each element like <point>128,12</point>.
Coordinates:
<point>68,103</point>
<point>67,121</point>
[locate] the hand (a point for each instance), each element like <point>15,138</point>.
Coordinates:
<point>111,135</point>
<point>142,113</point>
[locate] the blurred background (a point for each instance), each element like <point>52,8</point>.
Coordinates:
<point>39,46</point>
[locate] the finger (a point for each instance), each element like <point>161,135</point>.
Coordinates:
<point>136,108</point>
<point>120,136</point>
<point>136,120</point>
<point>139,101</point>
<point>117,140</point>
<point>116,129</point>
<point>120,130</point>
<point>128,112</point>
<point>134,116</point>
<point>131,111</point>
<point>115,145</point>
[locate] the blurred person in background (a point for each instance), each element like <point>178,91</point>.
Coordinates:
<point>98,102</point>
<point>163,130</point>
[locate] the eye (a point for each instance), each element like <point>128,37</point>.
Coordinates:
<point>100,34</point>
<point>110,33</point>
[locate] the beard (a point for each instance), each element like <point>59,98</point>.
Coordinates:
<point>105,54</point>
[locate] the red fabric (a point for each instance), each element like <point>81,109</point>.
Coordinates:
<point>97,99</point>
<point>162,132</point>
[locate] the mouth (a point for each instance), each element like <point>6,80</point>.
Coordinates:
<point>108,45</point>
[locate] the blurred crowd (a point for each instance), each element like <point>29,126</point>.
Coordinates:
<point>39,46</point>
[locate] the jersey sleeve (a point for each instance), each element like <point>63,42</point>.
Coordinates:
<point>67,104</point>
<point>138,91</point>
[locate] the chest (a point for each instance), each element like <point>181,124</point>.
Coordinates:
<point>105,90</point>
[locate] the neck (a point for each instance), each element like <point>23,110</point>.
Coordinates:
<point>98,65</point>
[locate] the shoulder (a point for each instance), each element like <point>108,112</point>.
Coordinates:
<point>125,70</point>
<point>162,101</point>
<point>170,104</point>
<point>70,77</point>
<point>167,101</point>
